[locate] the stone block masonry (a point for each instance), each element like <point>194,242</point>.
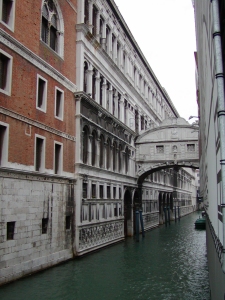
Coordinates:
<point>32,245</point>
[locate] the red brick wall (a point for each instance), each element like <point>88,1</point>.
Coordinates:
<point>28,32</point>
<point>24,84</point>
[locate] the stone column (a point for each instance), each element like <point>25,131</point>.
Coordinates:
<point>117,161</point>
<point>80,12</point>
<point>110,98</point>
<point>116,103</point>
<point>90,149</point>
<point>146,91</point>
<point>123,162</point>
<point>109,46</point>
<point>139,123</point>
<point>89,189</point>
<point>97,87</point>
<point>103,38</point>
<point>98,26</point>
<point>98,152</point>
<point>105,156</point>
<point>104,86</point>
<point>121,117</point>
<point>118,54</point>
<point>111,156</point>
<point>115,50</point>
<point>89,79</point>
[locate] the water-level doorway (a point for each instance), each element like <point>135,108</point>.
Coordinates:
<point>128,223</point>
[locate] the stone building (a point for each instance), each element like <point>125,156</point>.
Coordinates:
<point>209,16</point>
<point>76,93</point>
<point>119,98</point>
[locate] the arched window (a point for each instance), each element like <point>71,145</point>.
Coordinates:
<point>114,156</point>
<point>52,26</point>
<point>126,160</point>
<point>101,158</point>
<point>94,20</point>
<point>101,89</point>
<point>86,12</point>
<point>94,84</point>
<point>108,154</point>
<point>85,76</point>
<point>119,158</point>
<point>93,148</point>
<point>85,145</point>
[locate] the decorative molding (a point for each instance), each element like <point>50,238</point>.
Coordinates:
<point>34,176</point>
<point>36,124</point>
<point>71,5</point>
<point>35,60</point>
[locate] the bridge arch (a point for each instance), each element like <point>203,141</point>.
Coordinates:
<point>174,143</point>
<point>171,145</point>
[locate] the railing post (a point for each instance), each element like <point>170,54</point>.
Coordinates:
<point>137,225</point>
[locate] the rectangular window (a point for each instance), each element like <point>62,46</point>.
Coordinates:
<point>59,103</point>
<point>10,230</point>
<point>159,149</point>
<point>108,192</point>
<point>44,30</point>
<point>115,210</point>
<point>120,193</point>
<point>114,192</point>
<point>41,98</point>
<point>190,147</point>
<point>39,154</point>
<point>58,159</point>
<point>67,222</point>
<point>8,13</point>
<point>85,190</point>
<point>93,190</point>
<point>3,144</point>
<point>5,72</point>
<point>101,191</point>
<point>44,225</point>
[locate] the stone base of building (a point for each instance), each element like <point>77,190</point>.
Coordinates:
<point>36,222</point>
<point>23,269</point>
<point>216,275</point>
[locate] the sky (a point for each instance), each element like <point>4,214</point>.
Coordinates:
<point>165,33</point>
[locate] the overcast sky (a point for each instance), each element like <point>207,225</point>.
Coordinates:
<point>165,32</point>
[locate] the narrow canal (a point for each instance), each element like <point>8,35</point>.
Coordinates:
<point>169,263</point>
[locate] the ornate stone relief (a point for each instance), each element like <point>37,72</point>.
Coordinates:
<point>95,235</point>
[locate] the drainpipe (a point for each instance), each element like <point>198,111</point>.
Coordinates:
<point>221,104</point>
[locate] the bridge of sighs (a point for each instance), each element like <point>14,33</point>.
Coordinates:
<point>172,145</point>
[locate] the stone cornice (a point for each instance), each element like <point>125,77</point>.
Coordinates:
<point>34,176</point>
<point>36,124</point>
<point>35,60</point>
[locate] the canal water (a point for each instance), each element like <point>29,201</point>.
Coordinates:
<point>168,264</point>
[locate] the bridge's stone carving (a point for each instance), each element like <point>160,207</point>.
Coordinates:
<point>174,142</point>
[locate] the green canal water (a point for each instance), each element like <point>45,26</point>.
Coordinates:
<point>168,264</point>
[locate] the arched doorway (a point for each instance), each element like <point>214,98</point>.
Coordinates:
<point>136,207</point>
<point>128,230</point>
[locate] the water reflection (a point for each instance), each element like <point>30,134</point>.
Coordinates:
<point>169,263</point>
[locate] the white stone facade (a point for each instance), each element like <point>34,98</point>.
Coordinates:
<point>209,18</point>
<point>118,98</point>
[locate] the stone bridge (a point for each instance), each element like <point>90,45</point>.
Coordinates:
<point>173,143</point>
